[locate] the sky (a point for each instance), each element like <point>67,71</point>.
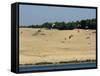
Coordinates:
<point>33,14</point>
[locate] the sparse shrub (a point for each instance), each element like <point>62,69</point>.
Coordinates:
<point>42,63</point>
<point>87,37</point>
<point>39,31</point>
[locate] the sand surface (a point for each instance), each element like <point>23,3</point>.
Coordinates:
<point>55,45</point>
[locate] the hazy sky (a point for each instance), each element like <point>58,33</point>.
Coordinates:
<point>32,14</point>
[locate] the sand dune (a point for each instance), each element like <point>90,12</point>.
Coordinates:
<point>42,45</point>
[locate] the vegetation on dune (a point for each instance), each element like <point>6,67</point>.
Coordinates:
<point>41,63</point>
<point>82,24</point>
<point>63,62</point>
<point>78,61</point>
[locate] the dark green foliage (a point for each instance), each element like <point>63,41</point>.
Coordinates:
<point>47,25</point>
<point>83,24</point>
<point>88,24</point>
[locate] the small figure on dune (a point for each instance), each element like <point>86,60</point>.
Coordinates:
<point>86,28</point>
<point>78,26</point>
<point>52,26</point>
<point>71,36</point>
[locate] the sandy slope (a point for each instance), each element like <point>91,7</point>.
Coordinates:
<point>55,45</point>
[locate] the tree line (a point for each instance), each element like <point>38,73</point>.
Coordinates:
<point>82,24</point>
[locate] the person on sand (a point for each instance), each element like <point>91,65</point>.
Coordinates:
<point>78,26</point>
<point>52,26</point>
<point>86,28</point>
